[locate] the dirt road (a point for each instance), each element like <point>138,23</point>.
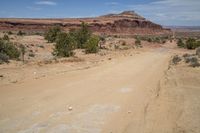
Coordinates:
<point>117,97</point>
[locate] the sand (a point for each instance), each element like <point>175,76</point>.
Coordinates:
<point>136,93</point>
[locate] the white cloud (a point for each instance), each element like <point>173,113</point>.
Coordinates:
<point>178,2</point>
<point>34,8</point>
<point>49,3</point>
<point>171,12</point>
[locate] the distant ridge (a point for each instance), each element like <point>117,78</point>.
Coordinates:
<point>125,14</point>
<point>124,23</point>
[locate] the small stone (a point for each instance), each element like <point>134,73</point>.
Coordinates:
<point>70,108</point>
<point>129,112</point>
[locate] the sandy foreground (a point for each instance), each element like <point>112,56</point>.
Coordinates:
<point>141,93</point>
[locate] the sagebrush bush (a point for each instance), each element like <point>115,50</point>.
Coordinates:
<point>176,59</point>
<point>20,33</point>
<point>81,35</point>
<point>9,49</point>
<point>10,33</point>
<point>65,44</point>
<point>191,43</point>
<point>198,52</point>
<point>180,43</point>
<point>23,51</point>
<point>6,37</point>
<point>4,58</point>
<point>92,45</point>
<point>52,33</point>
<point>194,62</point>
<point>31,55</point>
<point>138,42</point>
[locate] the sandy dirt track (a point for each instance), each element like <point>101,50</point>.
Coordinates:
<point>123,96</point>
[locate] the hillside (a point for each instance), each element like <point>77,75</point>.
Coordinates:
<point>125,23</point>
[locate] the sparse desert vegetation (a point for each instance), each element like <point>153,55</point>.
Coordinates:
<point>113,73</point>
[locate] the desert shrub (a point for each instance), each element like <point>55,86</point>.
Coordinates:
<point>52,33</point>
<point>149,40</point>
<point>23,51</point>
<point>180,43</point>
<point>20,33</point>
<point>138,42</point>
<point>9,49</point>
<point>41,46</point>
<point>198,52</point>
<point>186,55</point>
<point>123,43</point>
<point>197,44</point>
<point>163,41</point>
<point>6,37</point>
<point>193,61</point>
<point>188,59</point>
<point>190,43</point>
<point>157,40</point>
<point>4,58</point>
<point>176,59</point>
<point>31,55</point>
<point>92,45</point>
<point>65,44</point>
<point>10,33</point>
<point>82,35</point>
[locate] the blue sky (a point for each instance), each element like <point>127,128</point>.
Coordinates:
<point>165,12</point>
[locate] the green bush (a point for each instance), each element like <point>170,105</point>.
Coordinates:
<point>197,44</point>
<point>20,33</point>
<point>65,44</point>
<point>4,58</point>
<point>190,43</point>
<point>138,42</point>
<point>149,40</point>
<point>82,35</point>
<point>198,52</point>
<point>176,59</point>
<point>193,62</point>
<point>92,45</point>
<point>52,33</point>
<point>180,43</point>
<point>6,37</point>
<point>10,33</point>
<point>31,55</point>
<point>9,49</point>
<point>23,51</point>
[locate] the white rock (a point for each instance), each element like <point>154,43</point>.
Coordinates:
<point>70,108</point>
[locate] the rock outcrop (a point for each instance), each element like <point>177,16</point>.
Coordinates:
<point>126,23</point>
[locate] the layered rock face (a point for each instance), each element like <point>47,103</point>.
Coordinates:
<point>126,23</point>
